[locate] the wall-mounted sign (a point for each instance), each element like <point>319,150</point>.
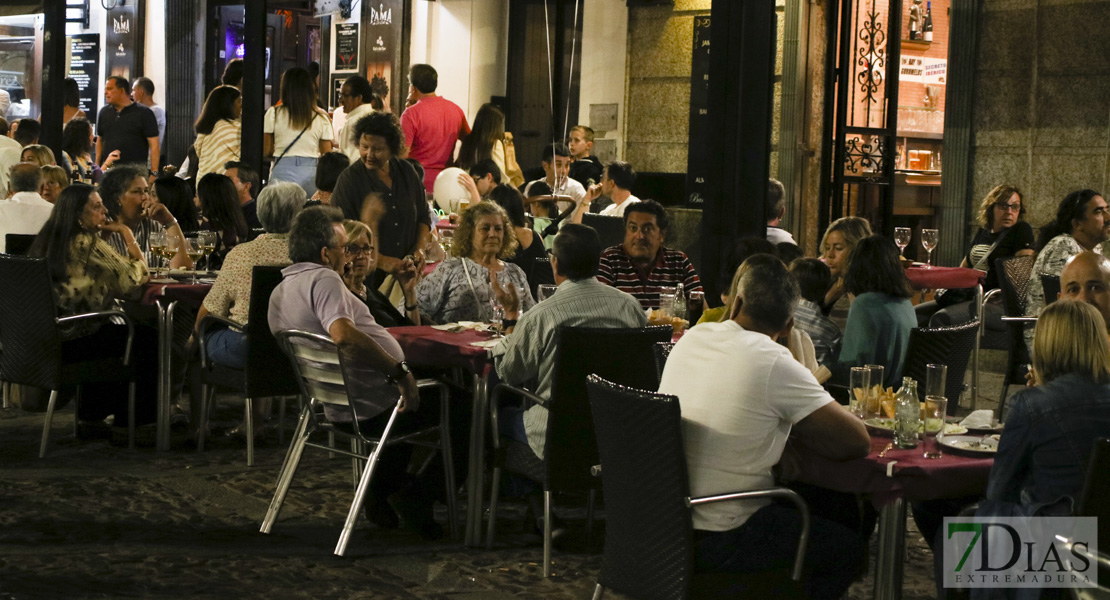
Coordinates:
<point>125,40</point>
<point>346,47</point>
<point>84,67</point>
<point>701,128</point>
<point>381,51</point>
<point>921,69</point>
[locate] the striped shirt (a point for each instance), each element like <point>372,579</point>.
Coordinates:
<point>670,268</point>
<point>824,333</point>
<point>528,353</point>
<point>216,149</point>
<point>142,233</point>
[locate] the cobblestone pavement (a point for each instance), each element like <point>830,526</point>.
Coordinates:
<point>93,520</point>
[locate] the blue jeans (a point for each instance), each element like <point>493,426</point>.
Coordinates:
<point>300,170</point>
<point>769,539</point>
<point>227,347</point>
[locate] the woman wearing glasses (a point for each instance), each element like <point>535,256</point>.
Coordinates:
<point>1001,234</point>
<point>363,259</point>
<point>126,195</point>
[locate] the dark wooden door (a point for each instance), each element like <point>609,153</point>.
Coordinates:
<point>543,85</point>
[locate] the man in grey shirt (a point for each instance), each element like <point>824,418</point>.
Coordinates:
<point>580,301</point>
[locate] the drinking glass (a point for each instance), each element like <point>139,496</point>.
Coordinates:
<point>157,241</point>
<point>936,407</point>
<point>207,242</point>
<point>169,249</point>
<point>666,303</point>
<point>497,321</point>
<point>544,291</point>
<point>859,390</point>
<point>874,408</point>
<point>695,304</point>
<point>902,237</point>
<point>445,237</point>
<point>193,249</point>
<point>929,241</point>
<point>935,376</point>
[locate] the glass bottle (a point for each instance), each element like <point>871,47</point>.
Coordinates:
<point>907,414</point>
<point>679,302</point>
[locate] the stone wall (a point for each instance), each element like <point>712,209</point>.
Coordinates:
<point>1042,101</point>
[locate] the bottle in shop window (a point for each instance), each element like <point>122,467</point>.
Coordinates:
<point>915,20</point>
<point>927,27</point>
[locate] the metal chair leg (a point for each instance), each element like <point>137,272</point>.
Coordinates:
<point>249,420</point>
<point>448,460</point>
<point>363,486</point>
<point>207,397</point>
<point>598,592</point>
<point>288,469</point>
<point>493,494</point>
<point>46,425</point>
<point>281,419</point>
<point>131,416</point>
<point>547,533</point>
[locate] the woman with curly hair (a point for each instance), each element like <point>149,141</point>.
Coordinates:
<point>462,287</point>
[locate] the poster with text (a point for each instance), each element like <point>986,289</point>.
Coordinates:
<point>84,67</point>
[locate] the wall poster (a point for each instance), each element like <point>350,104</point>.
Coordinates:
<point>84,67</point>
<point>346,47</point>
<point>381,50</point>
<point>125,41</point>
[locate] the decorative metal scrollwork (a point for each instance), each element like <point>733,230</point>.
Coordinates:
<point>865,154</point>
<point>872,56</point>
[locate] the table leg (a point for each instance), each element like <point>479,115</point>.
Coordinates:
<point>892,551</point>
<point>165,356</point>
<point>476,468</point>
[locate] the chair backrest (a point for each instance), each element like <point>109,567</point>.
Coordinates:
<point>624,356</point>
<point>30,345</point>
<point>1094,501</point>
<point>267,370</point>
<point>950,346</point>
<point>609,229</point>
<point>1013,279</point>
<point>254,233</point>
<point>648,531</point>
<point>662,351</point>
<point>1051,286</point>
<point>18,243</point>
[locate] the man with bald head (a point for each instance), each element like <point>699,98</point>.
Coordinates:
<point>25,211</point>
<point>1086,278</point>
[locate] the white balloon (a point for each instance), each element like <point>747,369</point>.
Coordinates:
<point>448,191</point>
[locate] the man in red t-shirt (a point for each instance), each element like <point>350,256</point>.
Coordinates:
<point>432,124</point>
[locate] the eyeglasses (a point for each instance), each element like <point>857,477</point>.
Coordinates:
<point>1008,207</point>
<point>357,249</point>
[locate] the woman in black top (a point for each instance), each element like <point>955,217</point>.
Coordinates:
<point>360,247</point>
<point>531,246</point>
<point>1002,234</point>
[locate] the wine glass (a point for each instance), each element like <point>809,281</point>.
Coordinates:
<point>169,249</point>
<point>193,249</point>
<point>445,237</point>
<point>157,242</point>
<point>935,409</point>
<point>207,242</point>
<point>929,241</point>
<point>902,237</point>
<point>497,319</point>
<point>545,291</point>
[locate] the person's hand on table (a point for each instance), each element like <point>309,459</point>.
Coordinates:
<point>410,394</point>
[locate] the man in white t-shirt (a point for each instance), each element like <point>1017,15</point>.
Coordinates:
<point>616,182</point>
<point>355,96</point>
<point>742,396</point>
<point>25,212</point>
<point>775,208</point>
<point>556,167</point>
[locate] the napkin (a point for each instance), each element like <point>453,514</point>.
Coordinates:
<point>460,326</point>
<point>485,343</point>
<point>979,419</point>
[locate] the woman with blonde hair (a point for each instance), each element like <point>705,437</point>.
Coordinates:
<point>462,287</point>
<point>38,154</point>
<point>360,249</point>
<point>836,246</point>
<point>54,180</point>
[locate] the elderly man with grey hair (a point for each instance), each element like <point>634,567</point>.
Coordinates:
<point>742,396</point>
<point>312,297</point>
<point>25,211</point>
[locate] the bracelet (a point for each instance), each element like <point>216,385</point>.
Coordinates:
<point>136,244</point>
<point>411,308</point>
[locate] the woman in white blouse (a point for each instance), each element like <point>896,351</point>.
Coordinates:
<point>296,132</point>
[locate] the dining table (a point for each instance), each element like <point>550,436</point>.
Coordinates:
<point>890,477</point>
<point>165,295</point>
<point>467,349</point>
<point>935,278</point>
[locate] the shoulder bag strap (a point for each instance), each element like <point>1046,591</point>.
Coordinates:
<point>979,264</point>
<point>295,140</point>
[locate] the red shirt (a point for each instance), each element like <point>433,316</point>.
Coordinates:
<point>432,126</point>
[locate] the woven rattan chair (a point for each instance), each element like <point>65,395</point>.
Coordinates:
<point>267,374</point>
<point>649,545</point>
<point>662,351</point>
<point>1013,280</point>
<point>570,450</point>
<point>610,230</point>
<point>950,346</point>
<point>1051,286</point>
<point>31,343</point>
<point>18,243</point>
<point>319,369</point>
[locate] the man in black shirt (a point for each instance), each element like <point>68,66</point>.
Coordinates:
<point>127,126</point>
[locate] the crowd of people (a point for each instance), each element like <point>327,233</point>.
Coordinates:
<point>344,210</point>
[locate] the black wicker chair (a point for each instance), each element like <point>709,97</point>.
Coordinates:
<point>1013,280</point>
<point>950,346</point>
<point>609,229</point>
<point>570,451</point>
<point>267,374</point>
<point>18,243</point>
<point>662,351</point>
<point>31,343</point>
<point>1051,286</point>
<point>649,546</point>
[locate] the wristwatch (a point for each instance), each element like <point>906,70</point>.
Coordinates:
<point>399,372</point>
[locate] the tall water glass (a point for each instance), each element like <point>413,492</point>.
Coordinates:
<point>902,237</point>
<point>157,241</point>
<point>859,390</point>
<point>929,238</point>
<point>874,408</point>
<point>666,303</point>
<point>936,407</point>
<point>935,376</point>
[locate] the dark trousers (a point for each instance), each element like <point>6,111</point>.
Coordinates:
<point>98,400</point>
<point>769,539</point>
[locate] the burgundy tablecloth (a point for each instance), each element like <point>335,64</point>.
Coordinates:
<point>428,347</point>
<point>933,278</point>
<point>913,477</point>
<point>185,292</point>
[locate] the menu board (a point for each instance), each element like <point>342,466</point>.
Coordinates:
<point>701,128</point>
<point>346,47</point>
<point>84,66</point>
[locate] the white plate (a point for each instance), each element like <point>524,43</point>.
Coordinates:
<point>485,343</point>
<point>887,425</point>
<point>971,444</point>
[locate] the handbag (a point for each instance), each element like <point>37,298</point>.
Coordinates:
<point>945,297</point>
<point>513,174</point>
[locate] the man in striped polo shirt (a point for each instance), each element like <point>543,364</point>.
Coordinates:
<point>642,266</point>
